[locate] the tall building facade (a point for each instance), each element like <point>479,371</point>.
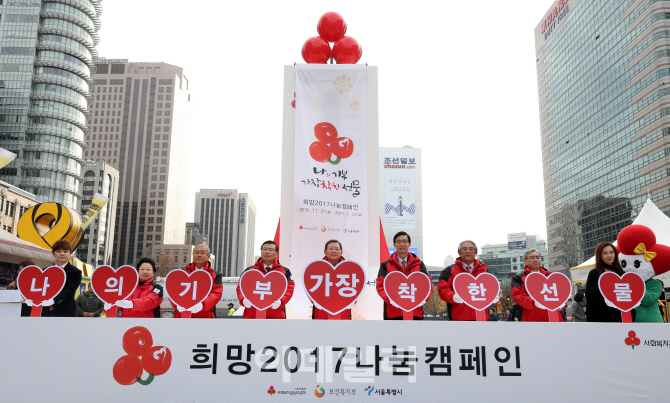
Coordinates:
<point>400,200</point>
<point>97,241</point>
<point>140,123</point>
<point>229,219</point>
<point>506,259</point>
<point>603,74</point>
<point>47,50</point>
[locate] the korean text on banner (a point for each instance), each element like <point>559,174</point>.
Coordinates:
<point>330,199</point>
<point>6,157</point>
<point>97,204</point>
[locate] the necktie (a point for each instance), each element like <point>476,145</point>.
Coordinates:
<point>404,267</point>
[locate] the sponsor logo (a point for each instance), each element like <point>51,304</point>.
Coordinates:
<point>223,194</point>
<point>142,357</point>
<point>295,392</point>
<point>399,166</point>
<point>319,392</point>
<point>272,390</point>
<point>369,389</point>
<point>632,340</point>
<point>308,229</point>
<point>323,229</point>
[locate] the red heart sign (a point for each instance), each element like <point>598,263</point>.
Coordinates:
<point>188,289</point>
<point>625,292</point>
<point>477,292</point>
<point>112,285</point>
<point>39,286</point>
<point>552,292</point>
<point>333,288</point>
<point>262,289</point>
<point>408,292</point>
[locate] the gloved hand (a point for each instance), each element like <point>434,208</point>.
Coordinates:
<point>538,305</point>
<point>48,302</point>
<point>246,303</point>
<point>275,304</point>
<point>180,308</point>
<point>124,303</point>
<point>29,302</point>
<point>609,303</point>
<point>458,299</point>
<point>108,306</point>
<point>394,304</point>
<point>196,308</point>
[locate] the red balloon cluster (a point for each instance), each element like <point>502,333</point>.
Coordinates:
<point>142,356</point>
<point>331,28</point>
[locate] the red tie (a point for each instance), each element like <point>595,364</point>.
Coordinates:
<point>404,267</point>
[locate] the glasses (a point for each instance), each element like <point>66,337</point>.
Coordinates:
<point>268,250</point>
<point>534,257</point>
<point>200,253</point>
<point>401,242</point>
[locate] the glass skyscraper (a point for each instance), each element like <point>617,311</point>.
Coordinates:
<point>603,75</point>
<point>46,60</point>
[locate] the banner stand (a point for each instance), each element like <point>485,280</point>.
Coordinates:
<point>36,311</point>
<point>482,316</point>
<point>408,315</point>
<point>626,317</point>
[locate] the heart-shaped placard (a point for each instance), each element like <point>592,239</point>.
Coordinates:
<point>408,292</point>
<point>477,292</point>
<point>333,288</point>
<point>551,292</point>
<point>624,292</point>
<point>188,289</point>
<point>38,285</point>
<point>112,285</point>
<point>262,289</point>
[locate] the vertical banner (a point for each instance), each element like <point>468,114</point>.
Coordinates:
<point>330,197</point>
<point>97,204</point>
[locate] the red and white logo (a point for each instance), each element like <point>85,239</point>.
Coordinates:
<point>262,289</point>
<point>333,288</point>
<point>40,285</point>
<point>142,356</point>
<point>625,292</point>
<point>552,291</point>
<point>408,292</point>
<point>477,292</point>
<point>112,285</point>
<point>188,289</point>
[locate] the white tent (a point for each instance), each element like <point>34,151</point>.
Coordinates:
<point>649,216</point>
<point>14,250</point>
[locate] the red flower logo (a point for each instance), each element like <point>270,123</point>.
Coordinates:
<point>329,144</point>
<point>142,356</point>
<point>632,340</point>
<point>272,390</point>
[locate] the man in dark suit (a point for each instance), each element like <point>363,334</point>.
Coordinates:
<point>64,303</point>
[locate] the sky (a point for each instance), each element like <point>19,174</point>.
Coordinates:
<point>456,79</point>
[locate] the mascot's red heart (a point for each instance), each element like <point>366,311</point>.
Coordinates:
<point>552,292</point>
<point>408,292</point>
<point>112,285</point>
<point>477,292</point>
<point>333,288</point>
<point>624,292</point>
<point>39,286</point>
<point>262,289</point>
<point>188,289</point>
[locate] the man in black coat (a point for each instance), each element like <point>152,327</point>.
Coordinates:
<point>64,304</point>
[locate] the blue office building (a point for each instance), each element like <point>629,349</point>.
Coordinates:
<point>603,75</point>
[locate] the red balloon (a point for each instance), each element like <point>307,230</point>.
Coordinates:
<point>157,361</point>
<point>127,369</point>
<point>137,341</point>
<point>331,26</point>
<point>347,51</point>
<point>316,50</point>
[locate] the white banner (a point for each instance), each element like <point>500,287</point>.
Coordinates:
<point>234,360</point>
<point>330,198</point>
<point>400,207</point>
